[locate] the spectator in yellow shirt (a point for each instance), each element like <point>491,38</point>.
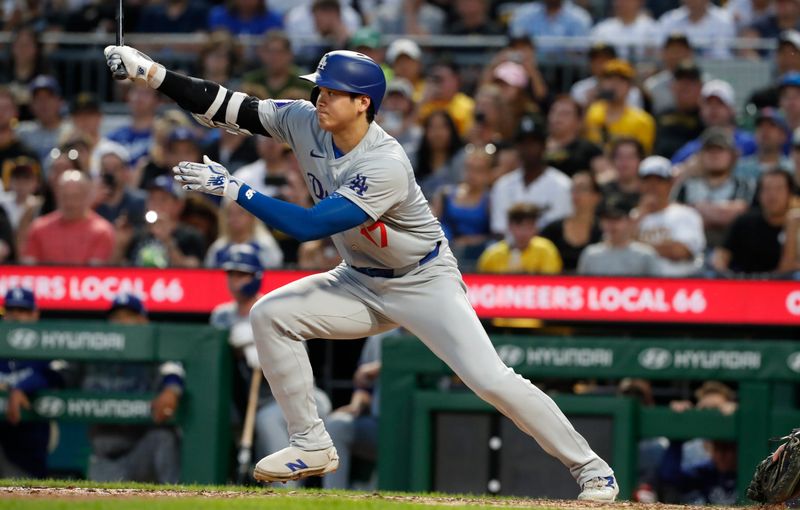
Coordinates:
<point>610,116</point>
<point>524,251</point>
<point>442,93</point>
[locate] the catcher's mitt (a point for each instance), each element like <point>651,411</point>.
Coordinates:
<point>777,478</point>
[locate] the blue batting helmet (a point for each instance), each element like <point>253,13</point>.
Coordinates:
<point>349,71</point>
<point>244,258</point>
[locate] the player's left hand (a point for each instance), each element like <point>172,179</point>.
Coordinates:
<point>209,177</point>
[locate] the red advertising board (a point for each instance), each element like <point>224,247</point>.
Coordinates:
<point>546,297</point>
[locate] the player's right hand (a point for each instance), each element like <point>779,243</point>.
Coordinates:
<point>129,62</point>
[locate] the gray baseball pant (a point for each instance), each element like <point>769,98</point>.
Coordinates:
<point>431,303</point>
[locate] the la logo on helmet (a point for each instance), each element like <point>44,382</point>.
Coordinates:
<point>322,63</point>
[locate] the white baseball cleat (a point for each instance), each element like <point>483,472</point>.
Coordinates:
<point>293,464</point>
<point>602,488</point>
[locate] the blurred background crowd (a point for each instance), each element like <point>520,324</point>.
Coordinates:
<point>598,137</point>
<point>629,137</point>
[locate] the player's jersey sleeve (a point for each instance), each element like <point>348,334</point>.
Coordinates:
<point>376,185</point>
<point>287,120</point>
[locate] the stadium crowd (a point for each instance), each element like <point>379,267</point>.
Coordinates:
<point>633,170</point>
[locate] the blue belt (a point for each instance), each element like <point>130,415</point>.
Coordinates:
<point>376,272</point>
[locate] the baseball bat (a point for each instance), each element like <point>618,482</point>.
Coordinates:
<point>246,443</point>
<point>120,73</point>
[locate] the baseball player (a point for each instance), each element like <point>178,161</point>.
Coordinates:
<point>397,268</point>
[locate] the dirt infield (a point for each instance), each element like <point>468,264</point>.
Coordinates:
<point>438,500</point>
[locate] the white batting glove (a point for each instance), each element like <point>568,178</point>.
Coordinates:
<point>209,177</point>
<point>138,66</point>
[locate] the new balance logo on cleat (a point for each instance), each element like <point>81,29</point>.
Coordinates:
<point>292,463</point>
<point>297,464</point>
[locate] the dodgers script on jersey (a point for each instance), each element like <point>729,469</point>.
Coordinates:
<point>376,175</point>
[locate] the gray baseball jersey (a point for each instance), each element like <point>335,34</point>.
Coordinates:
<point>376,175</point>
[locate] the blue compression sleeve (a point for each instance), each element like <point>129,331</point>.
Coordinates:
<point>330,216</point>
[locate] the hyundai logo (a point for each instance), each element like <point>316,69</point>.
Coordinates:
<point>22,339</point>
<point>655,358</point>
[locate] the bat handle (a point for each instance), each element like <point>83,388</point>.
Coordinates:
<point>120,73</point>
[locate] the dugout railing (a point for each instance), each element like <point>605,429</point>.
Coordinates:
<point>204,411</point>
<point>412,396</point>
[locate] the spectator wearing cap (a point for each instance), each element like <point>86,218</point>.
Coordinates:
<point>73,234</point>
<point>442,92</point>
<point>119,200</point>
<point>625,154</point>
<point>674,230</point>
<point>176,16</point>
<point>630,29</point>
<point>708,27</point>
<point>585,91</point>
<point>550,18</point>
<point>11,146</point>
<point>277,73</point>
<point>142,453</point>
<point>243,17</point>
<point>515,69</point>
<point>405,57</point>
<point>48,127</point>
<point>680,124</point>
<point>789,99</point>
<point>618,254</point>
<point>772,138</point>
<point>523,250</point>
<point>182,145</point>
<point>398,116</point>
<point>163,241</point>
<point>137,137</point>
<point>676,49</point>
<point>716,193</point>
<point>237,227</point>
<point>610,116</point>
<point>717,109</point>
<point>567,150</point>
<point>86,116</point>
<point>244,272</point>
<point>23,446</point>
<point>754,243</point>
<point>518,84</point>
<point>787,60</point>
<point>573,234</point>
<point>786,16</point>
<point>533,182</point>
